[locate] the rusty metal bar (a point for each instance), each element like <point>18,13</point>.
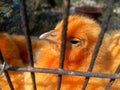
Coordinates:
<point>63,44</point>
<point>112,80</point>
<point>104,24</point>
<point>61,72</point>
<point>25,22</point>
<point>6,72</point>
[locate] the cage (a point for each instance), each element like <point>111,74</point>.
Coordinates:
<point>21,8</point>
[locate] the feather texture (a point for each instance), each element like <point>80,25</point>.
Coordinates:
<point>82,35</point>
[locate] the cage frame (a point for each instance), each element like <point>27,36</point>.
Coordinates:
<point>60,71</point>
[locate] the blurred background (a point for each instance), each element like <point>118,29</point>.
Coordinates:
<point>43,15</point>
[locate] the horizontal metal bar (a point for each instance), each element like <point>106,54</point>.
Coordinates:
<point>62,72</point>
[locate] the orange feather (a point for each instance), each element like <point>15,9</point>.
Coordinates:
<point>82,35</point>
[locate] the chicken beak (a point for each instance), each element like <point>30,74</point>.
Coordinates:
<point>49,35</point>
<point>44,35</point>
<point>49,39</point>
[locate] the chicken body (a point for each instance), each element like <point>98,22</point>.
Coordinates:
<point>11,56</point>
<point>82,34</point>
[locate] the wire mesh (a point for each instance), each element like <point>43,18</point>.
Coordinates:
<point>60,71</point>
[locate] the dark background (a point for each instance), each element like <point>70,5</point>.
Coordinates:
<point>44,14</point>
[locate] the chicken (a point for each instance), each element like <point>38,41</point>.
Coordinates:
<point>81,38</point>
<point>82,35</point>
<point>14,52</point>
<point>11,56</point>
<point>8,45</point>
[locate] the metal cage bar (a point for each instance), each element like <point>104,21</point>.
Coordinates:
<point>6,72</point>
<point>63,44</point>
<point>109,84</point>
<point>60,71</point>
<point>112,80</point>
<point>100,38</point>
<point>25,21</point>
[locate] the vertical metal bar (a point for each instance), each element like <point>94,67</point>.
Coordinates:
<point>63,44</point>
<point>101,35</point>
<point>26,30</point>
<point>112,80</point>
<point>6,73</point>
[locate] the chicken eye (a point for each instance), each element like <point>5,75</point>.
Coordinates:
<point>75,42</point>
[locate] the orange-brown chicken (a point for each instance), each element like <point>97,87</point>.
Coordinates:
<point>11,56</point>
<point>10,50</point>
<point>82,35</point>
<point>14,52</point>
